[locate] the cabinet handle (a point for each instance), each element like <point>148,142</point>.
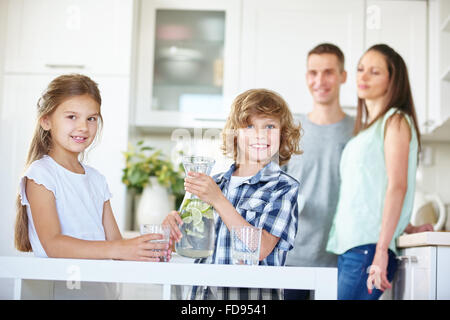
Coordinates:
<point>65,66</point>
<point>408,258</point>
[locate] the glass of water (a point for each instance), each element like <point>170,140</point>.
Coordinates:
<point>157,228</point>
<point>245,245</point>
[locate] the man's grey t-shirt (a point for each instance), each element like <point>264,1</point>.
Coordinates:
<point>317,169</point>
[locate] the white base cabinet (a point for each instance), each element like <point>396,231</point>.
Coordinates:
<point>423,274</point>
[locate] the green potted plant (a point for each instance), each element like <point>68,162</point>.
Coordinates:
<point>149,173</point>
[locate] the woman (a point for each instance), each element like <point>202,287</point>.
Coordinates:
<point>378,169</point>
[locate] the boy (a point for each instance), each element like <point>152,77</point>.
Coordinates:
<point>260,135</point>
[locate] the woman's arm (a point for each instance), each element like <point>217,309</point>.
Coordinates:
<point>396,149</point>
<point>207,190</point>
<point>57,245</point>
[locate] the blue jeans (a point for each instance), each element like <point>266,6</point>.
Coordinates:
<point>293,294</point>
<point>352,273</point>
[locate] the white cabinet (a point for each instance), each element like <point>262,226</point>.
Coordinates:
<point>47,36</point>
<point>277,35</point>
<point>439,62</point>
<point>403,26</point>
<point>187,65</point>
<point>422,274</point>
<point>106,156</point>
<point>18,118</point>
<point>17,121</point>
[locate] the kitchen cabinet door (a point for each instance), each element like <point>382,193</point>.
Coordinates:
<point>48,36</point>
<point>17,122</point>
<point>106,155</point>
<point>416,274</point>
<point>403,26</point>
<point>442,273</point>
<point>277,35</point>
<point>187,63</point>
<point>18,118</point>
<point>439,64</point>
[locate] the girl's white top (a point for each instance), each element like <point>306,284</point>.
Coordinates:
<point>79,200</point>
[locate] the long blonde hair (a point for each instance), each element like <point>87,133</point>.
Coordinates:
<point>59,90</point>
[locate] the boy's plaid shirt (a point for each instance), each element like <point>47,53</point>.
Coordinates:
<point>267,200</point>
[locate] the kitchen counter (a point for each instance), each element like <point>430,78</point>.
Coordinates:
<point>26,270</point>
<point>437,238</point>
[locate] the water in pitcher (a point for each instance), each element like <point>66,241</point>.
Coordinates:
<point>198,216</point>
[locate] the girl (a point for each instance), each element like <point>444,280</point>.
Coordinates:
<point>378,169</point>
<point>63,207</point>
<point>260,135</point>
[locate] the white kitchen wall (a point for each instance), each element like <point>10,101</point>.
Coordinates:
<point>435,176</point>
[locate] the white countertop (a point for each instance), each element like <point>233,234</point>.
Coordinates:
<point>322,280</point>
<point>437,238</point>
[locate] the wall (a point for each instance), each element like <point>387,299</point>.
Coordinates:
<point>435,177</point>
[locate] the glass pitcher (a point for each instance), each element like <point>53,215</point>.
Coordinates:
<point>198,216</point>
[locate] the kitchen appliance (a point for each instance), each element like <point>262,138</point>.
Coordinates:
<point>428,208</point>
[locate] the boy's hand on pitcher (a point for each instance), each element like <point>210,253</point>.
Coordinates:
<point>203,186</point>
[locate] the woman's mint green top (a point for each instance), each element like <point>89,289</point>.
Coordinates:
<point>363,188</point>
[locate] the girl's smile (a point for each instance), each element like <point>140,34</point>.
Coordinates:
<point>80,139</point>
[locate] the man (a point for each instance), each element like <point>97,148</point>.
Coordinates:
<point>326,130</point>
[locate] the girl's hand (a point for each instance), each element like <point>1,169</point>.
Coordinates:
<point>173,220</point>
<point>378,271</point>
<point>141,248</point>
<point>203,186</point>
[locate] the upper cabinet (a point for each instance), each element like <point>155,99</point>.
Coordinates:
<point>47,36</point>
<point>439,63</point>
<point>403,26</point>
<point>277,36</point>
<point>187,62</point>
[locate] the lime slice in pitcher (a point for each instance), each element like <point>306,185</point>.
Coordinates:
<point>196,216</point>
<point>209,214</point>
<point>187,219</point>
<point>203,207</point>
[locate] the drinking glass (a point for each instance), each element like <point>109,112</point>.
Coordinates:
<point>157,228</point>
<point>245,245</point>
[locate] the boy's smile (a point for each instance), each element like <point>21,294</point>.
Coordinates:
<point>259,146</point>
<point>259,141</point>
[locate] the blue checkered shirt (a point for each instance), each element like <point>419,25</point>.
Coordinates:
<point>268,200</point>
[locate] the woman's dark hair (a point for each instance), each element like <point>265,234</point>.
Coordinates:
<point>398,93</point>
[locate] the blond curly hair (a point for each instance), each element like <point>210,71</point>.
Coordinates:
<point>261,102</point>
